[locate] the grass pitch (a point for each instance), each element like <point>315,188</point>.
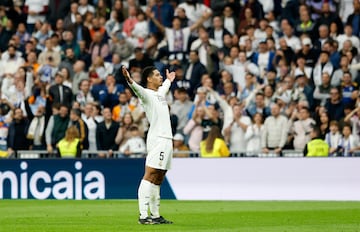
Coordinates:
<point>121,215</point>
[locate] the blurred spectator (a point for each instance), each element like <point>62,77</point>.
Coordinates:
<point>349,90</point>
<point>70,18</point>
<point>109,93</point>
<point>194,70</point>
<point>79,75</point>
<point>324,123</point>
<point>123,134</point>
<point>163,12</point>
<point>253,135</point>
<point>120,47</point>
<point>36,11</point>
<point>16,139</point>
<point>99,47</point>
<point>348,143</point>
<point>84,7</point>
<point>76,120</point>
<point>194,130</point>
<point>140,61</point>
<point>181,107</point>
<point>177,38</point>
<point>317,146</point>
<point>10,65</point>
<point>207,50</point>
<point>70,145</point>
<point>258,107</point>
<point>122,108</point>
<point>231,22</point>
<point>348,35</point>
<point>235,132</point>
<point>337,77</point>
<point>105,134</point>
<point>57,10</point>
<point>179,146</point>
<point>91,124</point>
<point>322,91</point>
<point>36,130</point>
<point>60,93</point>
<point>323,65</point>
<point>214,145</point>
<point>275,131</point>
<point>134,145</point>
<point>56,128</point>
<point>301,128</point>
<point>84,95</point>
<point>194,10</point>
<point>333,138</point>
<point>335,105</point>
<point>353,18</point>
<point>80,31</point>
<point>305,25</point>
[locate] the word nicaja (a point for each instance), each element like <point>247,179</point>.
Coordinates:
<point>62,185</point>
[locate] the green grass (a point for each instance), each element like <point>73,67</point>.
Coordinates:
<point>121,215</point>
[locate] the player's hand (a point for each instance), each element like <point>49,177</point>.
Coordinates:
<point>126,74</point>
<point>170,75</point>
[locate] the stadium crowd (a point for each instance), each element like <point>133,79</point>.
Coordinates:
<point>252,76</point>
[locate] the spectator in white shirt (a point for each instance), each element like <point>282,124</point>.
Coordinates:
<point>348,36</point>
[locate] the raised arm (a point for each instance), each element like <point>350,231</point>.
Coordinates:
<point>203,18</point>
<point>170,77</point>
<point>152,17</point>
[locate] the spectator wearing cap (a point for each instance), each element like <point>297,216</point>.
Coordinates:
<point>60,93</point>
<point>76,120</point>
<point>323,65</point>
<point>180,146</point>
<point>308,52</point>
<point>263,58</point>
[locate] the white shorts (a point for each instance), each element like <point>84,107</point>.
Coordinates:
<point>160,152</point>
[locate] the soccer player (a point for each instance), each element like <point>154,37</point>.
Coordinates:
<point>159,140</point>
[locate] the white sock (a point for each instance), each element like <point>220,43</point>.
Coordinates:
<point>144,194</point>
<point>155,201</point>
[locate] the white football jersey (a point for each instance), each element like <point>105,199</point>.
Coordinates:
<point>156,109</point>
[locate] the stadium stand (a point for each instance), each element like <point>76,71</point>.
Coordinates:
<point>266,72</point>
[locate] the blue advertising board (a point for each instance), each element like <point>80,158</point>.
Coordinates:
<point>73,179</point>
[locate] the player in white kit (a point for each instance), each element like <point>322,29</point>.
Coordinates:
<point>159,144</point>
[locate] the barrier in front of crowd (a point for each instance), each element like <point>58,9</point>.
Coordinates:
<point>34,154</point>
<point>280,178</point>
